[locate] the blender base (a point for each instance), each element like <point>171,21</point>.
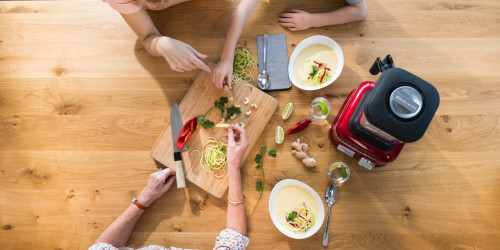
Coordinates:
<point>340,135</point>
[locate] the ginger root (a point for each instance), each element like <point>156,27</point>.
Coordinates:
<point>301,151</point>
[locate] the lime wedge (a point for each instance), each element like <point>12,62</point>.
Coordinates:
<point>279,135</point>
<point>322,105</point>
<point>287,111</point>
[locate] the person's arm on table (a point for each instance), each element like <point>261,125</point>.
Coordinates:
<point>237,145</point>
<point>118,233</point>
<point>296,20</point>
<point>224,69</point>
<point>233,237</point>
<point>179,55</point>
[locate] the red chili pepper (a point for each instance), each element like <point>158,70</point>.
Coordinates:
<point>319,64</point>
<point>321,80</point>
<point>298,127</point>
<point>186,132</point>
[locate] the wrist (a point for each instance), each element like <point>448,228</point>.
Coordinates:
<point>145,200</point>
<point>234,164</point>
<point>314,20</point>
<point>160,45</point>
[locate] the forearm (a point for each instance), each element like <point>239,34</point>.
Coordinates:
<point>236,217</point>
<point>146,31</point>
<point>118,233</point>
<point>346,14</point>
<point>238,20</point>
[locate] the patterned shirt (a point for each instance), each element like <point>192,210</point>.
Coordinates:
<point>228,239</point>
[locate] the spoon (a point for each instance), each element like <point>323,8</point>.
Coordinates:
<point>330,198</point>
<point>263,78</point>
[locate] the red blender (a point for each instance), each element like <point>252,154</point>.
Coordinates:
<point>377,119</point>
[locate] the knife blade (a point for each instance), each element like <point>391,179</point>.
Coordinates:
<point>176,126</point>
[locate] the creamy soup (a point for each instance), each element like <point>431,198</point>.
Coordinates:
<point>290,197</point>
<point>305,60</point>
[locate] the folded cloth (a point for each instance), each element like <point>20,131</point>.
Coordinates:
<point>277,61</point>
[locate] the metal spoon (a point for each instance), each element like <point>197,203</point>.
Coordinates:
<point>330,198</point>
<point>263,78</point>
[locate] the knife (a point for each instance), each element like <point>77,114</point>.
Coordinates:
<point>176,126</point>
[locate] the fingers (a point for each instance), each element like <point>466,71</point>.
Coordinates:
<point>287,25</point>
<point>169,182</point>
<point>230,80</point>
<point>199,64</point>
<point>230,135</point>
<point>217,79</point>
<point>198,54</point>
<point>242,133</point>
<point>237,128</point>
<point>287,15</point>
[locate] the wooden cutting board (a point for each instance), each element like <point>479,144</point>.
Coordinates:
<point>199,98</point>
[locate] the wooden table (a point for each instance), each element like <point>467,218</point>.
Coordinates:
<point>82,103</point>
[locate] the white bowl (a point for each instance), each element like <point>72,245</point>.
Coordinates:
<point>312,40</point>
<point>274,218</point>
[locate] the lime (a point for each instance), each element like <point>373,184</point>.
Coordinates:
<point>322,105</point>
<point>287,111</point>
<point>279,135</point>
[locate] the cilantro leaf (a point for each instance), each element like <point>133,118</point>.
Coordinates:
<point>259,186</point>
<point>292,216</point>
<point>208,124</point>
<point>232,111</point>
<point>263,150</point>
<point>314,71</point>
<point>272,153</point>
<point>258,159</point>
<point>258,166</point>
<point>220,105</point>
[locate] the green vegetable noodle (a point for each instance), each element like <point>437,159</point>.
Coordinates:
<point>214,157</point>
<point>243,64</point>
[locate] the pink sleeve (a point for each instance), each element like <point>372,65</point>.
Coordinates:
<point>124,6</point>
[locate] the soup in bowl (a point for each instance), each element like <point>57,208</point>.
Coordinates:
<point>296,209</point>
<point>316,63</point>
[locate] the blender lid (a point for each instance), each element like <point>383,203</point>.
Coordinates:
<point>402,104</point>
<point>405,102</point>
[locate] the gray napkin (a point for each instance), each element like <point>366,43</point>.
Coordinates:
<point>277,61</point>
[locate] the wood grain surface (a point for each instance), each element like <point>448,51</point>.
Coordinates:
<point>82,103</point>
<point>200,98</point>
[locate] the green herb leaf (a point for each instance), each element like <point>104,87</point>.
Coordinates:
<point>220,105</point>
<point>343,172</point>
<point>259,186</point>
<point>272,153</point>
<point>258,166</point>
<point>232,111</point>
<point>258,159</point>
<point>292,216</point>
<point>314,71</point>
<point>263,150</point>
<point>208,124</point>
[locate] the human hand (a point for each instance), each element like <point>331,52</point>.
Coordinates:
<point>180,56</point>
<point>295,20</point>
<point>223,70</point>
<point>236,146</point>
<point>158,184</point>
